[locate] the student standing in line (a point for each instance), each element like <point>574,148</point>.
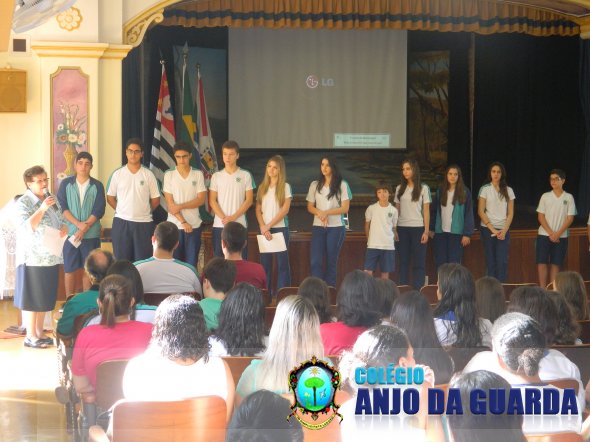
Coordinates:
<point>184,190</point>
<point>273,201</point>
<point>231,194</point>
<point>451,218</point>
<point>380,225</point>
<point>412,200</point>
<point>556,212</point>
<point>495,208</point>
<point>328,200</point>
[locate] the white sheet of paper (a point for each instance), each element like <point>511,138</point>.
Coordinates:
<point>276,244</point>
<point>53,241</point>
<point>75,242</point>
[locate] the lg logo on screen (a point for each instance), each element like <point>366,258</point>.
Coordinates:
<point>312,82</point>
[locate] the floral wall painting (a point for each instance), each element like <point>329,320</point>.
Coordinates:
<point>69,121</point>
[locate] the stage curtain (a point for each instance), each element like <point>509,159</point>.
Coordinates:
<point>478,16</point>
<point>584,192</point>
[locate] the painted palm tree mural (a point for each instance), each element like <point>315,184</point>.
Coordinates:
<point>428,105</point>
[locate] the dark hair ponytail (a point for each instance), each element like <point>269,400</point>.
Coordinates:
<point>115,297</point>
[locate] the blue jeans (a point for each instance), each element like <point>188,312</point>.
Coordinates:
<point>189,245</point>
<point>496,252</point>
<point>283,268</point>
<point>447,248</point>
<point>216,239</point>
<point>326,243</point>
<point>411,250</point>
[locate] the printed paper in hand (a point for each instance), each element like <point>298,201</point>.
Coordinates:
<point>53,241</point>
<point>276,244</point>
<point>75,242</point>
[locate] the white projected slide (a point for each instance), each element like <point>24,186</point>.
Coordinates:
<point>317,89</point>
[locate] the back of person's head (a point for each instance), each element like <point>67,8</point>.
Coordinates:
<point>221,274</point>
<point>571,286</point>
<point>378,346</point>
<point>97,265</point>
<point>317,292</point>
<point>457,289</point>
<point>567,330</point>
<point>358,301</point>
<point>294,337</point>
<point>487,427</point>
<point>519,341</point>
<point>262,418</point>
<point>234,235</point>
<point>412,313</point>
<point>128,270</point>
<point>490,298</point>
<point>388,292</point>
<point>535,302</point>
<point>241,321</point>
<point>179,330</point>
<point>116,299</point>
<point>166,235</point>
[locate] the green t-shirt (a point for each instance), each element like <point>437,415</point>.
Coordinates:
<point>211,309</point>
<point>81,303</point>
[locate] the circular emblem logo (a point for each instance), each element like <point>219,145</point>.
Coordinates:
<point>312,82</point>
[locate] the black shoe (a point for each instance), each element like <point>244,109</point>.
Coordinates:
<point>35,344</point>
<point>47,340</point>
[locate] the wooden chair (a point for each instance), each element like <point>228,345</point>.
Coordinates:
<point>266,296</point>
<point>286,291</point>
<point>508,288</point>
<point>157,298</point>
<point>585,331</point>
<point>579,355</point>
<point>461,356</point>
<point>429,292</point>
<point>332,295</point>
<point>237,365</point>
<point>587,285</point>
<point>404,288</point>
<point>555,437</point>
<point>565,383</point>
<point>269,316</point>
<point>201,419</point>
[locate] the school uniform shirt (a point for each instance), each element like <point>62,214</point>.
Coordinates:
<point>556,209</point>
<point>168,276</point>
<point>183,190</point>
<point>82,200</point>
<point>496,206</point>
<point>446,212</point>
<point>452,218</point>
<point>410,212</point>
<point>270,206</point>
<point>231,192</point>
<point>133,192</point>
<point>383,220</point>
<point>321,201</point>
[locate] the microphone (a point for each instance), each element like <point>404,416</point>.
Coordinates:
<point>47,194</point>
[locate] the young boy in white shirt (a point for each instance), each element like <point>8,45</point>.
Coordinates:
<point>231,194</point>
<point>380,228</point>
<point>556,212</point>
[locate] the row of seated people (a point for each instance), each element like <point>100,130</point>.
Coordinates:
<point>240,327</point>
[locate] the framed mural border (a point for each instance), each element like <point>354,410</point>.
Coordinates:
<point>69,121</point>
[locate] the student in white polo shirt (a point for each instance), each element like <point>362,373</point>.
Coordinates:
<point>412,200</point>
<point>556,213</point>
<point>132,190</point>
<point>231,194</point>
<point>184,190</point>
<point>328,199</point>
<point>495,208</point>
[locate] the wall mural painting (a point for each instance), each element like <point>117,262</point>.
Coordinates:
<point>69,121</point>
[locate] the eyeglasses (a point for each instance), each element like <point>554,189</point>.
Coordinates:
<point>134,152</point>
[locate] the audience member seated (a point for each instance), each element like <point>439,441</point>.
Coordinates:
<point>294,337</point>
<point>412,313</point>
<point>177,364</point>
<point>489,298</point>
<point>519,345</point>
<point>241,323</point>
<point>571,286</point>
<point>316,291</point>
<point>381,346</point>
<point>552,365</point>
<point>388,293</point>
<point>488,427</point>
<point>567,331</point>
<point>261,418</point>
<point>96,265</point>
<point>234,238</point>
<point>162,273</point>
<point>455,317</point>
<point>358,309</point>
<point>218,279</point>
<point>116,337</point>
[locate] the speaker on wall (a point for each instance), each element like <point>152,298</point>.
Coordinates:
<point>13,90</point>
